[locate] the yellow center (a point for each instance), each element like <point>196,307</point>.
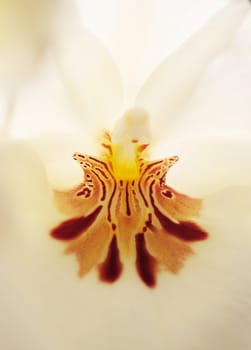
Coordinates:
<point>123,208</point>
<point>129,138</point>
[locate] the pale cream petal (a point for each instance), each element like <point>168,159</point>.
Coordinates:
<point>140,34</point>
<point>207,164</point>
<point>25,28</point>
<point>206,306</point>
<point>171,85</point>
<point>90,76</point>
<point>42,106</point>
<point>56,151</point>
<point>25,193</point>
<point>46,306</point>
<point>221,105</point>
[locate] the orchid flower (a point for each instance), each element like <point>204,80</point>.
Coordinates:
<point>187,235</point>
<point>37,36</point>
<point>26,27</point>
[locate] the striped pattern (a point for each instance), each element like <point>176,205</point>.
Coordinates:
<point>117,218</point>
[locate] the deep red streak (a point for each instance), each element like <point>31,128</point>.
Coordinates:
<point>145,263</point>
<point>111,269</point>
<point>128,209</point>
<point>72,228</point>
<point>185,230</point>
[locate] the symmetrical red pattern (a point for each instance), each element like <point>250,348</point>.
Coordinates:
<point>112,218</point>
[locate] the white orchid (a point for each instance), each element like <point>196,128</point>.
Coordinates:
<point>190,107</point>
<point>36,38</point>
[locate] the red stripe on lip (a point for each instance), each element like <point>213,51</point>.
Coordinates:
<point>145,263</point>
<point>111,269</point>
<point>74,227</point>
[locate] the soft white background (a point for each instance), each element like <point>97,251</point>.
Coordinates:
<point>43,304</point>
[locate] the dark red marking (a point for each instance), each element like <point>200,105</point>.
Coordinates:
<point>143,147</point>
<point>81,156</point>
<point>99,161</point>
<point>108,147</point>
<point>109,216</point>
<point>185,230</point>
<point>142,194</point>
<point>86,192</point>
<point>73,228</point>
<point>167,193</point>
<point>102,184</point>
<point>128,209</point>
<point>148,167</point>
<point>111,269</point>
<point>146,265</point>
<point>102,172</point>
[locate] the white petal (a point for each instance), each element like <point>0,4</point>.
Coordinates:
<point>206,306</point>
<point>25,27</point>
<point>90,76</point>
<point>141,34</point>
<point>42,106</point>
<point>25,195</point>
<point>56,152</point>
<point>221,105</point>
<point>169,87</point>
<point>208,164</point>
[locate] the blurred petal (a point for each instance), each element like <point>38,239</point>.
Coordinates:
<point>170,86</point>
<point>25,27</point>
<point>42,106</point>
<point>211,295</point>
<point>25,194</point>
<point>90,76</point>
<point>208,164</point>
<point>141,33</point>
<point>56,151</point>
<point>221,105</point>
<point>207,306</point>
<point>130,39</point>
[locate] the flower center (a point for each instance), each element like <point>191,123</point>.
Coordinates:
<point>124,209</point>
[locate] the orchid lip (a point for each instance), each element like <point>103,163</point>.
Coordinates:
<point>124,209</point>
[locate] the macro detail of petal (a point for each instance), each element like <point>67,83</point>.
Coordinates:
<point>170,86</point>
<point>90,75</point>
<point>75,288</point>
<point>24,185</point>
<point>221,104</point>
<point>25,27</point>
<point>124,209</point>
<point>208,164</point>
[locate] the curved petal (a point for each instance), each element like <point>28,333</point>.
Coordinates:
<point>208,164</point>
<point>25,26</point>
<point>42,106</point>
<point>129,41</point>
<point>170,86</point>
<point>221,105</point>
<point>140,34</point>
<point>212,294</point>
<point>56,152</point>
<point>25,194</point>
<point>89,74</point>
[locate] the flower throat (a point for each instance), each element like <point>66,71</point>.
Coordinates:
<point>124,210</point>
